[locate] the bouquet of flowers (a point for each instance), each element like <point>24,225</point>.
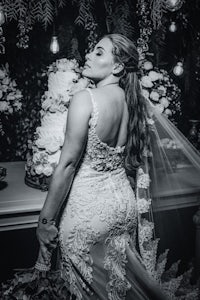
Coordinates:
<point>160,89</point>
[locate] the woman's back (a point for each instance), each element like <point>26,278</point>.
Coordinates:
<point>111,127</point>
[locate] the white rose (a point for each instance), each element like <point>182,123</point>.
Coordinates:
<point>10,110</point>
<point>162,90</point>
<point>164,102</point>
<point>159,108</point>
<point>4,106</point>
<point>148,65</point>
<point>65,64</point>
<point>10,97</point>
<point>154,75</point>
<point>6,81</point>
<point>2,74</point>
<point>146,82</point>
<point>168,112</point>
<point>143,205</point>
<point>39,169</point>
<point>160,76</point>
<point>154,96</point>
<point>48,170</point>
<point>4,88</point>
<point>40,157</point>
<point>145,93</point>
<point>53,145</point>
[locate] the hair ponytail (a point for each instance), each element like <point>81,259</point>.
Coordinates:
<point>137,130</point>
<point>125,52</point>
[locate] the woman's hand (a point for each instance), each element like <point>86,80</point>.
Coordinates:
<point>47,235</point>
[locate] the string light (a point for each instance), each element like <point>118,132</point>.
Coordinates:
<point>2,17</point>
<point>172,27</point>
<point>178,69</point>
<point>173,5</point>
<point>54,46</point>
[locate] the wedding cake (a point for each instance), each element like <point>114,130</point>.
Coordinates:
<point>45,148</point>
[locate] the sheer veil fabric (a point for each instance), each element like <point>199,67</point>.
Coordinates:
<point>167,181</point>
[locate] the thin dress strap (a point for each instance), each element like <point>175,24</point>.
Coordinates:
<point>95,113</point>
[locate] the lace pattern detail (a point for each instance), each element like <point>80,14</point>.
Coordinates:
<point>99,155</point>
<point>115,263</point>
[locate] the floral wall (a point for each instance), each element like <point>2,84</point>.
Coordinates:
<point>78,26</point>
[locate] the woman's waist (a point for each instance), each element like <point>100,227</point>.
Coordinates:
<point>87,172</point>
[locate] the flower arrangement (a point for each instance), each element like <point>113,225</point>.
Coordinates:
<point>10,96</point>
<point>160,89</point>
<point>10,110</point>
<point>45,148</point>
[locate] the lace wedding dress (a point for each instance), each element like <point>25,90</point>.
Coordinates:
<point>98,228</point>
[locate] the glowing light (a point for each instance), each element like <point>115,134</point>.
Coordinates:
<point>173,5</point>
<point>178,69</point>
<point>2,17</point>
<point>54,46</point>
<point>172,27</point>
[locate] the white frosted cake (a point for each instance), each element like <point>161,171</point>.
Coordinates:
<point>45,148</point>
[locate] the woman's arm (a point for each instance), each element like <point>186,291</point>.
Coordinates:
<point>75,141</point>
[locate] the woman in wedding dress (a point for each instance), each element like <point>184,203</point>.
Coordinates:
<point>105,137</point>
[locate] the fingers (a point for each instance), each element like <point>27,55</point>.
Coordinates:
<point>45,254</point>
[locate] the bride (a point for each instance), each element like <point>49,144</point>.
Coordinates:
<point>92,212</point>
<point>91,208</point>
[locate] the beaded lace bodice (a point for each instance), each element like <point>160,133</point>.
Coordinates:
<point>99,155</point>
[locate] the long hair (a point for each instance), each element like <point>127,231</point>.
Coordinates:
<point>125,52</point>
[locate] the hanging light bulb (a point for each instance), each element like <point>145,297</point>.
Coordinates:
<point>54,46</point>
<point>173,5</point>
<point>172,27</point>
<point>178,69</point>
<point>2,17</point>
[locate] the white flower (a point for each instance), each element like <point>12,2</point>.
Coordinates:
<point>162,90</point>
<point>154,96</point>
<point>146,82</point>
<point>145,93</point>
<point>146,230</point>
<point>168,112</point>
<point>154,75</point>
<point>10,110</point>
<point>159,108</point>
<point>2,74</point>
<point>65,64</point>
<point>48,170</point>
<point>10,97</point>
<point>164,102</point>
<point>6,81</point>
<point>17,105</point>
<point>143,179</point>
<point>39,169</point>
<point>4,88</point>
<point>4,106</point>
<point>148,65</point>
<point>143,205</point>
<point>51,141</point>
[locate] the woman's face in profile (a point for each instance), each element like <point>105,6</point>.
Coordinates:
<point>100,62</point>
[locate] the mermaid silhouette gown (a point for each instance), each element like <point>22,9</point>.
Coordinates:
<point>98,228</point>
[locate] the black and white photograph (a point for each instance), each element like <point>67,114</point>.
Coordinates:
<point>100,149</point>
